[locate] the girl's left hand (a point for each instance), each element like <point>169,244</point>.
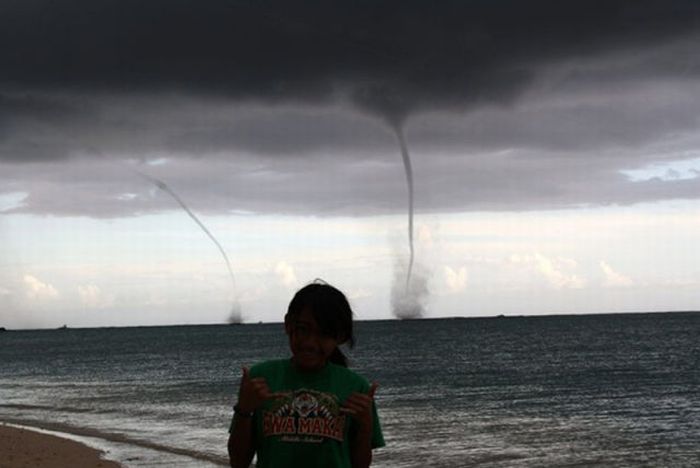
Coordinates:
<point>359,406</point>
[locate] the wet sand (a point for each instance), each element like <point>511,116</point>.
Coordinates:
<point>22,448</point>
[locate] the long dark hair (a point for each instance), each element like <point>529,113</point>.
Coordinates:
<point>331,310</point>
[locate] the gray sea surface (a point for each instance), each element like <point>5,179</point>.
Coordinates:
<point>592,390</point>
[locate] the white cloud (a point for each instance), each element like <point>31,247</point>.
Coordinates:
<point>612,278</point>
<point>557,272</point>
<point>456,280</point>
<point>92,296</point>
<point>285,273</point>
<point>359,293</point>
<point>37,290</point>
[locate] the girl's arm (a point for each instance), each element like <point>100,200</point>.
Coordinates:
<point>361,449</point>
<point>251,395</point>
<point>240,442</point>
<point>359,405</point>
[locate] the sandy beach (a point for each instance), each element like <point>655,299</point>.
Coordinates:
<point>22,448</point>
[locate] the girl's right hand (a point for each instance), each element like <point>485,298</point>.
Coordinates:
<point>254,392</point>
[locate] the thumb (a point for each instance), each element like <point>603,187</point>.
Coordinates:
<point>372,389</point>
<point>245,371</point>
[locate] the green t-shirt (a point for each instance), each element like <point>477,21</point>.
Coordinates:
<point>306,428</point>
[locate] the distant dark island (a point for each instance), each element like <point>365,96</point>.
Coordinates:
<point>2,329</point>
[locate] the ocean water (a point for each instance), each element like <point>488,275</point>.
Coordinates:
<point>597,390</point>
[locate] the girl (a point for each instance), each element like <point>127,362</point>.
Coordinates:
<point>311,410</point>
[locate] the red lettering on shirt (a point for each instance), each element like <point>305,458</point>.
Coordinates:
<point>278,425</point>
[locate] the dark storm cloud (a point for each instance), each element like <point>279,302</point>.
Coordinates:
<point>391,57</point>
<point>280,106</point>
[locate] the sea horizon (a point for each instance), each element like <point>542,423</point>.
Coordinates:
<point>393,319</point>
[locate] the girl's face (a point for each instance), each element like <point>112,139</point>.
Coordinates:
<point>310,347</point>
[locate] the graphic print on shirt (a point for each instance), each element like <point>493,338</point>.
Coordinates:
<point>305,416</point>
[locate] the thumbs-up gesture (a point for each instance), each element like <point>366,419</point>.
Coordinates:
<point>254,392</point>
<point>359,406</point>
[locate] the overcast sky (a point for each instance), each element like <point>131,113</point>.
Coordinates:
<point>274,121</point>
